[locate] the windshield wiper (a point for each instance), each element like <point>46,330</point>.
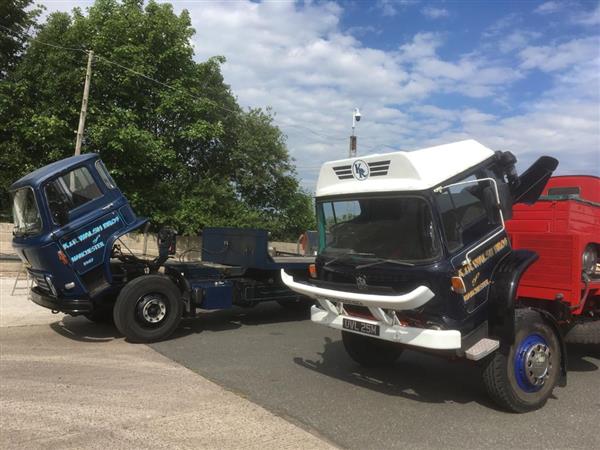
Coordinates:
<point>343,255</point>
<point>383,260</point>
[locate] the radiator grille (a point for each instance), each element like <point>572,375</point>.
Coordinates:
<point>343,172</point>
<point>40,281</point>
<point>379,168</point>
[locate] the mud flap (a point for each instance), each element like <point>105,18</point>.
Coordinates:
<point>562,381</point>
<point>503,293</point>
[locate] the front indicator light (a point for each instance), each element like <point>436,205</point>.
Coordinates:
<point>62,257</point>
<point>458,285</point>
<point>312,270</point>
<point>70,285</point>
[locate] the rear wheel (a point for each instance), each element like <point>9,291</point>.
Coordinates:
<point>587,332</point>
<point>148,309</point>
<point>522,377</point>
<point>370,352</point>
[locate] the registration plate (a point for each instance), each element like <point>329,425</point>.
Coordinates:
<point>361,327</point>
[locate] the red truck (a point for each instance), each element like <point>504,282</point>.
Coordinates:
<point>563,228</point>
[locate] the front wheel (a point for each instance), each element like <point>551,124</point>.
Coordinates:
<point>148,309</point>
<point>370,352</point>
<point>522,377</point>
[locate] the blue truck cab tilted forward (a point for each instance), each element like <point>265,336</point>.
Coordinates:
<point>68,218</point>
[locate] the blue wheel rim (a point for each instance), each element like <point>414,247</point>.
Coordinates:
<point>532,363</point>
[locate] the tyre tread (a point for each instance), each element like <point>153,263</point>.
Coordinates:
<point>495,372</point>
<point>584,333</point>
<point>121,308</point>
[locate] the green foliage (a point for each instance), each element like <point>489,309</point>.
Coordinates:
<point>188,157</point>
<point>17,17</point>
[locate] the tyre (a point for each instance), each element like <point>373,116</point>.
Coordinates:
<point>370,352</point>
<point>522,377</point>
<point>587,332</point>
<point>148,309</point>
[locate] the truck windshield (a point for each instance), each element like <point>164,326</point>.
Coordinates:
<point>25,213</point>
<point>394,228</point>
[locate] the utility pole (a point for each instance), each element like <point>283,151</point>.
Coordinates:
<point>84,102</point>
<point>355,118</point>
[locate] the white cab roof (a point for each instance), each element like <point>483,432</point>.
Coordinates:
<point>400,171</point>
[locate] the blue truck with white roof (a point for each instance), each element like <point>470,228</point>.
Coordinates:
<point>69,217</point>
<point>413,253</point>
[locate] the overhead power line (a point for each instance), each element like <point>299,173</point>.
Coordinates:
<point>168,86</point>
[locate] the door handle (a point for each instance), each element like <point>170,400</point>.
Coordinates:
<point>104,208</point>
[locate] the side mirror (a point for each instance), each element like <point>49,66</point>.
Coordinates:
<point>533,180</point>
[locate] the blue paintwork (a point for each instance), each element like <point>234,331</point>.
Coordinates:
<point>92,229</point>
<point>520,361</point>
<point>214,294</point>
<point>243,247</point>
<point>87,249</point>
<point>43,174</point>
<point>87,237</point>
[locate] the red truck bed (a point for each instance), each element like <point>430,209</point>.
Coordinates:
<point>559,227</point>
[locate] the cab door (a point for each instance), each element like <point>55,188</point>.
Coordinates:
<point>85,215</point>
<point>474,234</point>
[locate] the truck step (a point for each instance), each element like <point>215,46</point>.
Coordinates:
<point>482,348</point>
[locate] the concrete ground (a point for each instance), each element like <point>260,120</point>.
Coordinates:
<point>297,369</point>
<point>68,383</point>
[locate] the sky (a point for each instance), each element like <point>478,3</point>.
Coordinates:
<point>522,76</point>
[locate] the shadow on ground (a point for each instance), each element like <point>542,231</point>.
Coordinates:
<point>426,378</point>
<point>415,376</point>
<point>580,357</point>
<point>231,319</point>
<point>83,330</point>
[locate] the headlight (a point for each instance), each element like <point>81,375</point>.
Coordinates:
<point>589,260</point>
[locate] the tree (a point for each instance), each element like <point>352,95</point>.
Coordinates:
<point>175,139</point>
<point>17,18</point>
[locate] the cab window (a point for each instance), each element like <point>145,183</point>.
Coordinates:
<point>399,228</point>
<point>464,214</point>
<point>71,190</point>
<point>26,215</point>
<point>105,175</point>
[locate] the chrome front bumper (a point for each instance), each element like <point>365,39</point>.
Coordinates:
<point>414,299</point>
<point>332,314</point>
<point>417,337</point>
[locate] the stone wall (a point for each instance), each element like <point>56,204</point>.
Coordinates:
<point>188,247</point>
<point>5,239</point>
